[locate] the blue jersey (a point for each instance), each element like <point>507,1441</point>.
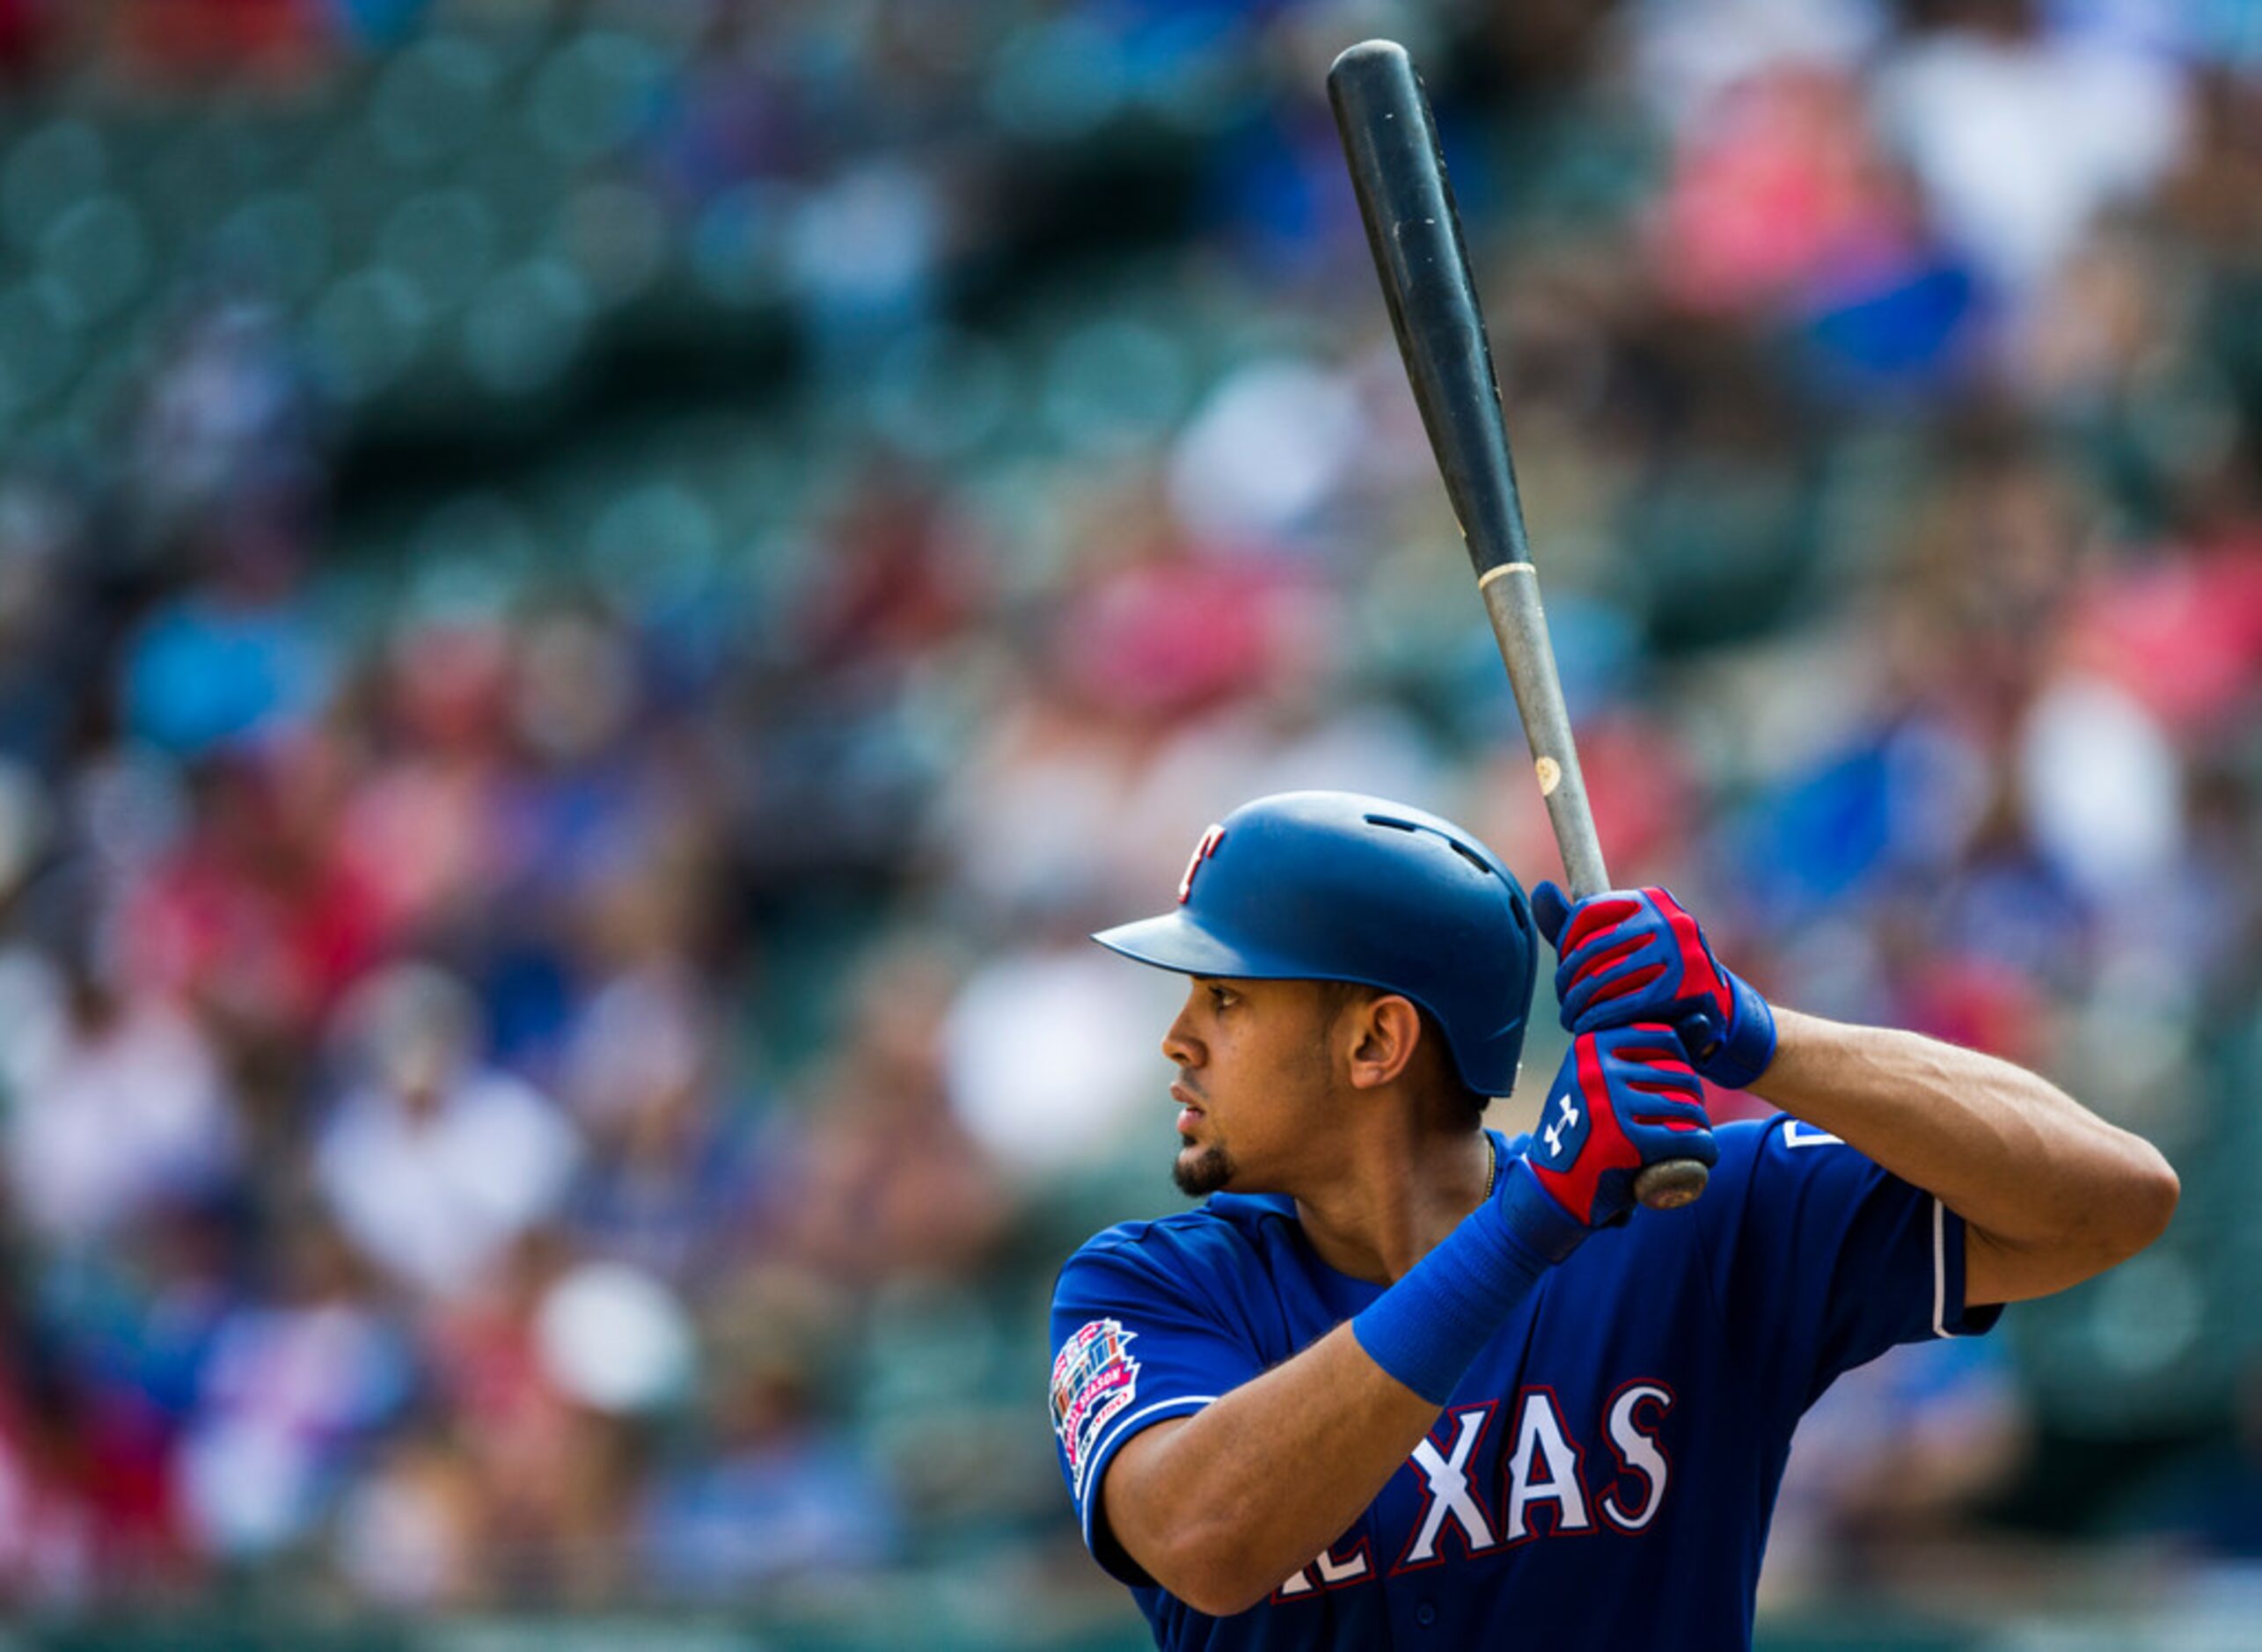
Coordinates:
<point>1604,1474</point>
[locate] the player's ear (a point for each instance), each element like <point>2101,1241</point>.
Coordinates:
<point>1381,1035</point>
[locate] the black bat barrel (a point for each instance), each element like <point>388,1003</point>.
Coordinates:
<point>1398,169</point>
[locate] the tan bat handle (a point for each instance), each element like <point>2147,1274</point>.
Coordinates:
<point>1520,624</point>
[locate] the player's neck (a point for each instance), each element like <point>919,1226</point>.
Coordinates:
<point>1396,1199</point>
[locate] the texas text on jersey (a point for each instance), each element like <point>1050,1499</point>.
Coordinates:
<point>1618,1443</point>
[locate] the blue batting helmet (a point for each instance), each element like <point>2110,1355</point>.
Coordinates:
<point>1331,885</point>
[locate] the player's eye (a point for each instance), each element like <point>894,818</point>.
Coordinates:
<point>1221,997</point>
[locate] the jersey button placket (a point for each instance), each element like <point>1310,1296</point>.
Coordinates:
<point>1426,1614</point>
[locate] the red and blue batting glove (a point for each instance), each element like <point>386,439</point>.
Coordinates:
<point>1623,1099</point>
<point>1629,956</point>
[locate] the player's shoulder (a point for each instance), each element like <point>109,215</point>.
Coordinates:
<point>1777,1133</point>
<point>1236,1265</point>
<point>1231,1245</point>
<point>1776,1152</point>
<point>1221,1227</point>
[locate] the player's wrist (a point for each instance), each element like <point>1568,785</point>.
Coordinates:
<point>1749,1046</point>
<point>1533,1219</point>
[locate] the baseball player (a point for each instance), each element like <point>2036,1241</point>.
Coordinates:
<point>1401,1382</point>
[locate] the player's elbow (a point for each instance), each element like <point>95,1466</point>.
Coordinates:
<point>2150,1191</point>
<point>1219,1548</point>
<point>1210,1571</point>
<point>1217,1588</point>
<point>2129,1208</point>
<point>1215,1603</point>
<point>2120,1203</point>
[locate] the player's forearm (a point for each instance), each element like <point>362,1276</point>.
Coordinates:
<point>1223,1507</point>
<point>1229,1502</point>
<point>2050,1194</point>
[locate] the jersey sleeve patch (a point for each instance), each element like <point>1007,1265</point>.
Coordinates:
<point>1094,1377</point>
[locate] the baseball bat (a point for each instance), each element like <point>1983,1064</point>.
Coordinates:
<point>1398,169</point>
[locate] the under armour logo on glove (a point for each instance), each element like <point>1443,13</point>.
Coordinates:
<point>1567,1120</point>
<point>1623,1099</point>
<point>1629,956</point>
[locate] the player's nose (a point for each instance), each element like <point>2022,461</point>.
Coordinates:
<point>1179,1044</point>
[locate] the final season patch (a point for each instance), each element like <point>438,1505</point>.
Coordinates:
<point>1093,1378</point>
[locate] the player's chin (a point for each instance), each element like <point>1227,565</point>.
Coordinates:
<point>1202,1168</point>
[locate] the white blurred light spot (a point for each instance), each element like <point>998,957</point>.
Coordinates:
<point>2103,789</point>
<point>1264,450</point>
<point>865,245</point>
<point>615,1339</point>
<point>1048,1055</point>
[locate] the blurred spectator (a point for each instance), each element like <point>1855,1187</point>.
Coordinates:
<point>673,1181</point>
<point>222,666</point>
<point>249,913</point>
<point>118,1104</point>
<point>890,1183</point>
<point>422,827</point>
<point>408,1532</point>
<point>618,1348</point>
<point>776,1492</point>
<point>2021,134</point>
<point>557,1371</point>
<point>432,1163</point>
<point>1890,1467</point>
<point>50,1551</point>
<point>292,1392</point>
<point>48,623</point>
<point>225,437</point>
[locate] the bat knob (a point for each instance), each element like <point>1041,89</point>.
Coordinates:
<point>1670,1183</point>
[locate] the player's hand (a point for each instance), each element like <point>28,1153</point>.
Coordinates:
<point>1629,956</point>
<point>1623,1099</point>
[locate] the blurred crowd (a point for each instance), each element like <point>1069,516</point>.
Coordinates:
<point>550,1054</point>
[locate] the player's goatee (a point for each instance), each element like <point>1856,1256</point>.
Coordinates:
<point>1202,1170</point>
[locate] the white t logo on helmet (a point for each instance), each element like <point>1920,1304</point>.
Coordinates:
<point>1202,851</point>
